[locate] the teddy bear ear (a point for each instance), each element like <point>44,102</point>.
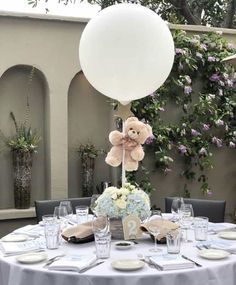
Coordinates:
<point>131,119</point>
<point>149,128</point>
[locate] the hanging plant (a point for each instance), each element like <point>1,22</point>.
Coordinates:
<point>202,89</point>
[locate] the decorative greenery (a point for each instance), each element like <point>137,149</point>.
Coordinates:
<point>202,89</point>
<point>26,139</point>
<point>88,150</point>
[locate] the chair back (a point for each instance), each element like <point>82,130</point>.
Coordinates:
<point>213,209</point>
<point>46,207</point>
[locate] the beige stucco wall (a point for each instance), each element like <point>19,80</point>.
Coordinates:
<point>70,111</point>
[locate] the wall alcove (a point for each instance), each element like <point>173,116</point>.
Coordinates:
<point>13,97</point>
<point>89,120</point>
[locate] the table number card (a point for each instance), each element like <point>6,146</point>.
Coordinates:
<point>131,226</point>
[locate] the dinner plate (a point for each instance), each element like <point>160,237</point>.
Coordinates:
<point>127,264</point>
<point>227,235</point>
<point>123,244</point>
<point>213,253</point>
<point>33,257</point>
<point>14,238</point>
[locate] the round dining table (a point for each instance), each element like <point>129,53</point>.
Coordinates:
<point>211,272</point>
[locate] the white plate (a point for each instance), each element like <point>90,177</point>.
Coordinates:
<point>14,238</point>
<point>213,253</point>
<point>30,258</point>
<point>127,264</point>
<point>227,235</point>
<point>123,244</point>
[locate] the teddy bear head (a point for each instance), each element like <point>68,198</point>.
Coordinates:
<point>137,130</point>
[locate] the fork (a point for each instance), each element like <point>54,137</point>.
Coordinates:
<point>51,260</point>
<point>147,260</point>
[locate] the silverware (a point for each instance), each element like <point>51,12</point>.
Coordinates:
<point>231,251</point>
<point>51,260</point>
<point>91,266</point>
<point>187,258</point>
<point>147,260</point>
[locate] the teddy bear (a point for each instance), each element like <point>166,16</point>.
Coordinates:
<point>135,134</point>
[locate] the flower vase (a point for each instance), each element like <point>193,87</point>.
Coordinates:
<point>87,175</point>
<point>22,169</point>
<point>116,228</point>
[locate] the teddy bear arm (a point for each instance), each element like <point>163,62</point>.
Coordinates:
<point>115,137</point>
<point>137,153</point>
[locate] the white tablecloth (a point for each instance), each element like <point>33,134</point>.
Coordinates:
<point>212,272</point>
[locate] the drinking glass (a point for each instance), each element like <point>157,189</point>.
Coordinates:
<point>186,218</point>
<point>93,203</point>
<point>81,214</point>
<point>154,226</point>
<point>61,214</point>
<point>175,207</point>
<point>100,224</point>
<point>69,208</point>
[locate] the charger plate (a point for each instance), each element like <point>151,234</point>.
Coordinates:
<point>32,257</point>
<point>228,235</point>
<point>127,264</point>
<point>213,254</point>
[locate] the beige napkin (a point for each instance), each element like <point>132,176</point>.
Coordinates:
<point>165,227</point>
<point>80,232</point>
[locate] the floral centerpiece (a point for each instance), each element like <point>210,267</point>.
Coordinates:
<point>121,202</point>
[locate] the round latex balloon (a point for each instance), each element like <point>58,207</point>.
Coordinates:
<point>126,52</point>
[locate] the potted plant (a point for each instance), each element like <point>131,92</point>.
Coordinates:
<point>88,152</point>
<point>23,145</point>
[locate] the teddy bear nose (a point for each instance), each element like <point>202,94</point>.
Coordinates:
<point>133,132</point>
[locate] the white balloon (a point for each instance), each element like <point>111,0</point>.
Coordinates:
<point>126,52</point>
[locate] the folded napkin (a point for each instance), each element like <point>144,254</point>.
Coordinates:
<point>219,227</point>
<point>165,227</point>
<point>222,244</point>
<point>79,234</point>
<point>31,231</point>
<point>73,262</point>
<point>14,248</point>
<point>171,262</point>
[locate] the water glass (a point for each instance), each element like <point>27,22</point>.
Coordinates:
<point>186,218</point>
<point>154,225</point>
<point>175,207</point>
<point>82,214</point>
<point>52,234</point>
<point>100,224</point>
<point>173,240</point>
<point>69,208</point>
<point>103,244</point>
<point>201,228</point>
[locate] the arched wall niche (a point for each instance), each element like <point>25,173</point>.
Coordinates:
<point>14,87</point>
<point>89,116</point>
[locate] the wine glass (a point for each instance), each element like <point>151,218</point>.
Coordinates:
<point>175,207</point>
<point>100,224</point>
<point>186,218</point>
<point>69,208</point>
<point>154,225</point>
<point>60,212</point>
<point>93,203</point>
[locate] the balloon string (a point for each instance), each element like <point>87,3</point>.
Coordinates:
<point>123,156</point>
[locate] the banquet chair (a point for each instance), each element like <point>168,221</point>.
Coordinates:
<point>46,207</point>
<point>213,209</point>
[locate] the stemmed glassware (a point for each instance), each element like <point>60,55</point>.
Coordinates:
<point>154,225</point>
<point>175,207</point>
<point>69,208</point>
<point>186,218</point>
<point>93,203</point>
<point>61,214</point>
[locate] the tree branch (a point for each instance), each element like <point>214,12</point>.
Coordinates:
<point>230,12</point>
<point>185,11</point>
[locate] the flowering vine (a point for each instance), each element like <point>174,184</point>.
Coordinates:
<point>202,89</point>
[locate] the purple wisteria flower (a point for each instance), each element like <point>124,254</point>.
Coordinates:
<point>203,46</point>
<point>211,58</point>
<point>219,122</point>
<point>182,149</point>
<point>225,76</point>
<point>203,151</point>
<point>187,90</point>
<point>195,133</point>
<point>215,77</point>
<point>205,127</point>
<point>232,144</point>
<point>179,51</point>
<point>161,109</point>
<point>150,140</point>
<point>217,142</point>
<point>209,192</point>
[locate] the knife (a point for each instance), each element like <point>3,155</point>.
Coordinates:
<point>187,258</point>
<point>91,266</point>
